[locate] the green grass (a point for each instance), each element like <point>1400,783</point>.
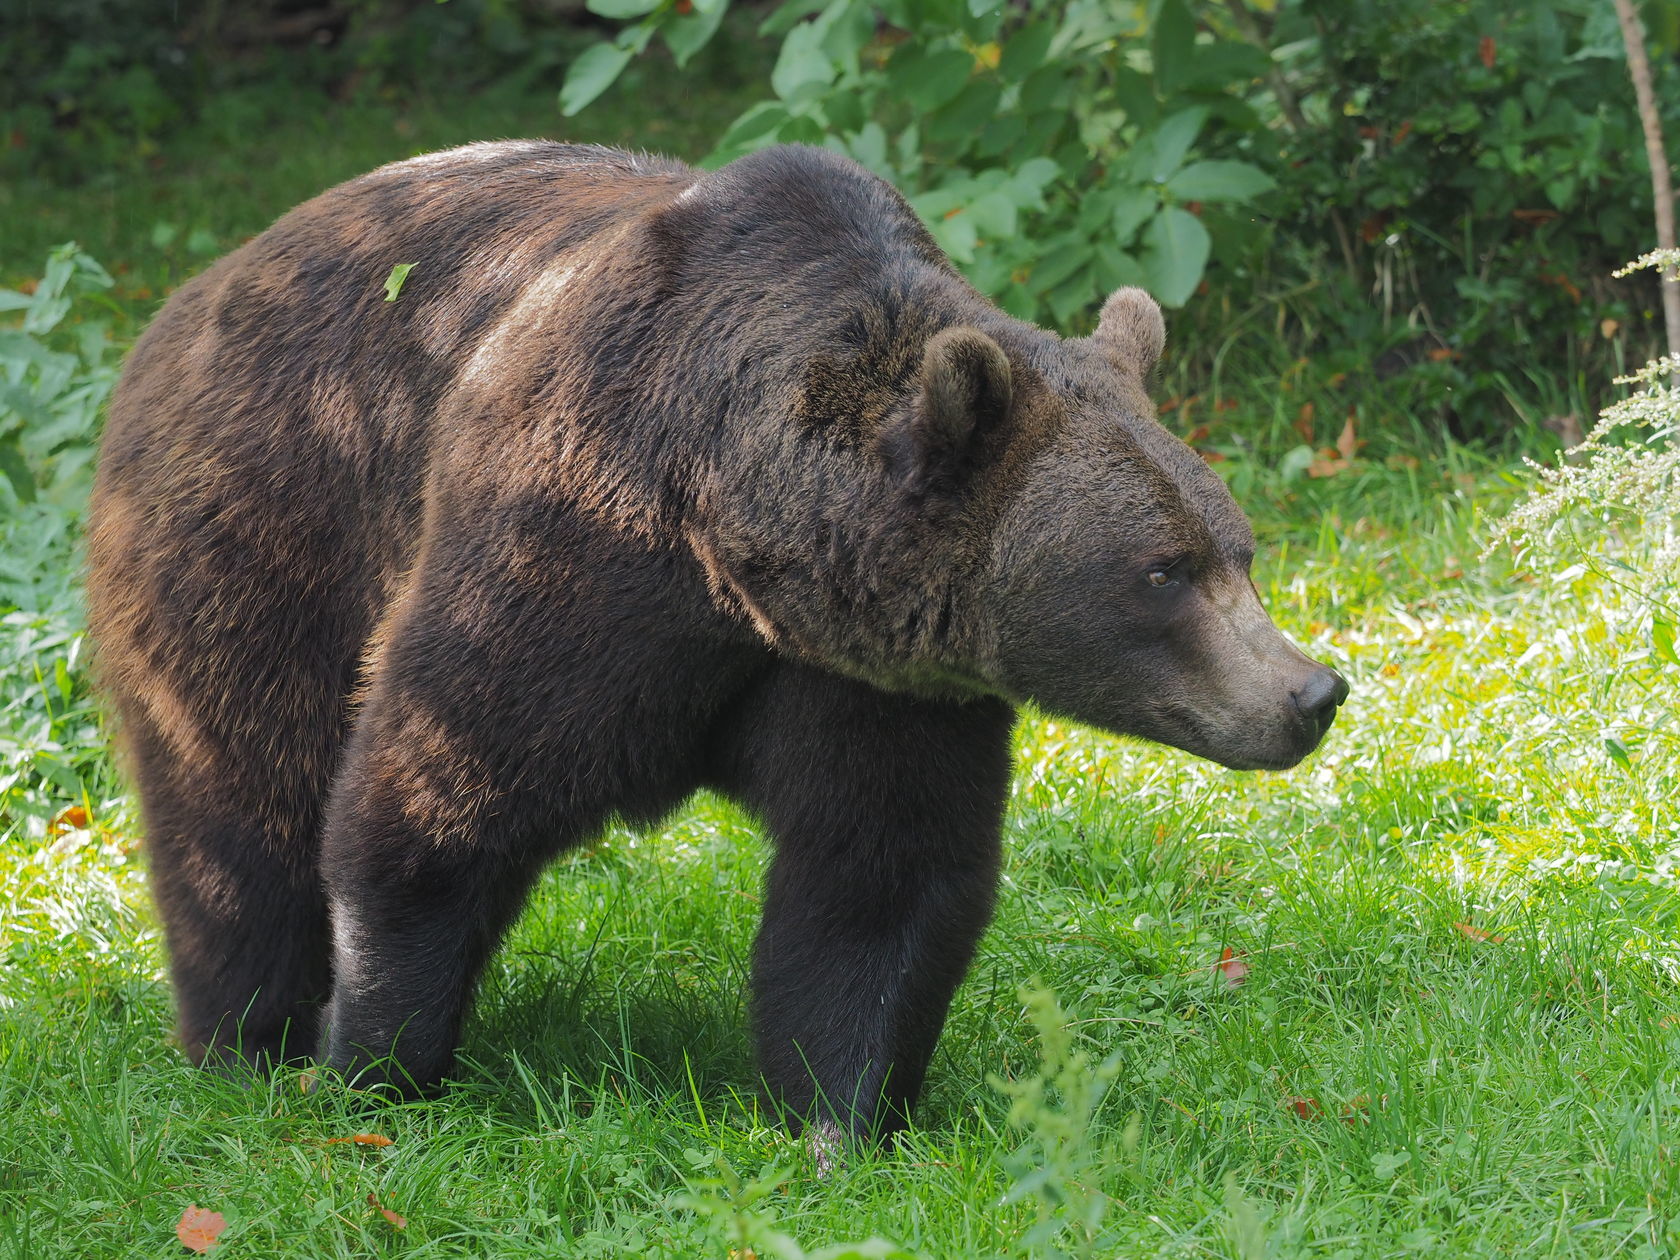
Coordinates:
<point>1459,919</point>
<point>1456,1035</point>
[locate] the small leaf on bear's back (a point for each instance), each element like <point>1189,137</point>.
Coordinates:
<point>394,281</point>
<point>199,1228</point>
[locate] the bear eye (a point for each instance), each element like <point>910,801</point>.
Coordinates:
<point>1158,577</point>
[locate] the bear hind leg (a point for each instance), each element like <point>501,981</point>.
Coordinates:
<point>234,853</point>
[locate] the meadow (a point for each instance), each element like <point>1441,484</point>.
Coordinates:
<point>1415,997</point>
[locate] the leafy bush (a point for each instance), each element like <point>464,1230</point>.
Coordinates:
<point>1456,188</point>
<point>1618,502</point>
<point>1413,193</point>
<point>57,368</point>
<point>1048,162</point>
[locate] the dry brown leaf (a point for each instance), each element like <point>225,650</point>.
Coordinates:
<point>364,1139</point>
<point>1233,967</point>
<point>1304,421</point>
<point>1306,1108</point>
<point>1487,50</point>
<point>1347,443</point>
<point>199,1228</point>
<point>75,818</point>
<point>1328,464</point>
<point>397,1222</point>
<point>1474,933</point>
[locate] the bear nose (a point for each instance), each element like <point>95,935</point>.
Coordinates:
<point>1320,696</point>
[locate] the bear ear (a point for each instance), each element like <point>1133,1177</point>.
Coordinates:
<point>1130,330</point>
<point>963,393</point>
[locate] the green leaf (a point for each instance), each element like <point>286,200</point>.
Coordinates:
<point>979,8</point>
<point>16,471</point>
<point>621,10</point>
<point>963,117</point>
<point>1132,209</point>
<point>1220,181</point>
<point>394,281</point>
<point>1072,296</point>
<point>1176,246</point>
<point>687,34</point>
<point>1114,269</point>
<point>802,62</point>
<point>1617,751</point>
<point>754,125</point>
<point>591,74</point>
<point>1172,140</point>
<point>994,214</point>
<point>788,16</point>
<point>930,81</point>
<point>1662,640</point>
<point>1024,52</point>
<point>1059,264</point>
<point>1172,42</point>
<point>956,235</point>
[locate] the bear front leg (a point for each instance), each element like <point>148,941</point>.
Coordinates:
<point>886,814</point>
<point>425,865</point>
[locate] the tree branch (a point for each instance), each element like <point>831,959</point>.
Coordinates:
<point>1662,186</point>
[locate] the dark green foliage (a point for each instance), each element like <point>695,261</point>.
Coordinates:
<point>1460,179</point>
<point>57,367</point>
<point>1423,198</point>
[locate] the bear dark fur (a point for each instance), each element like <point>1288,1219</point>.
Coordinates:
<point>650,479</point>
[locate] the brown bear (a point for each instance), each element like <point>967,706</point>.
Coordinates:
<point>649,479</point>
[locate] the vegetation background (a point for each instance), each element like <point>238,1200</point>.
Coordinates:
<point>1417,997</point>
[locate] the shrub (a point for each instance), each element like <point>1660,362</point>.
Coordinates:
<point>1423,191</point>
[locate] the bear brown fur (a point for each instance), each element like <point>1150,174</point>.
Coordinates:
<point>648,480</point>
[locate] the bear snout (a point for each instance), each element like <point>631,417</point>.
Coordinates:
<point>1318,698</point>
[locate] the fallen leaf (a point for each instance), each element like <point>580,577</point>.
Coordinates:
<point>1487,50</point>
<point>199,1228</point>
<point>364,1139</point>
<point>1328,464</point>
<point>1233,967</point>
<point>1306,1108</point>
<point>75,818</point>
<point>1440,354</point>
<point>1534,216</point>
<point>1474,933</point>
<point>397,1222</point>
<point>1304,421</point>
<point>1347,443</point>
